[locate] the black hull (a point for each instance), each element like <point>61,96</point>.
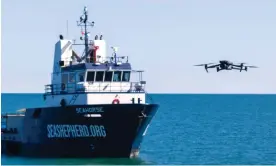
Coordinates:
<point>69,132</point>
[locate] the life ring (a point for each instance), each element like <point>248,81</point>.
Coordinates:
<point>62,86</point>
<point>116,101</point>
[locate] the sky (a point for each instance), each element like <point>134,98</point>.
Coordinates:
<point>163,37</point>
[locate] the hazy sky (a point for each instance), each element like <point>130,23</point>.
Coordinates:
<point>164,37</point>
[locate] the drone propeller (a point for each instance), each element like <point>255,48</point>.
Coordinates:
<point>246,67</point>
<point>241,65</point>
<point>204,64</point>
<point>252,66</point>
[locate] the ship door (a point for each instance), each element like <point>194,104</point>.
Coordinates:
<point>64,82</point>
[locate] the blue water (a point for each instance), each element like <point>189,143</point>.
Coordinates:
<point>189,129</point>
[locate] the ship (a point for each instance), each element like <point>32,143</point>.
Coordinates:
<point>92,108</point>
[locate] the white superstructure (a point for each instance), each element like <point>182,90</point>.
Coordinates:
<point>94,78</point>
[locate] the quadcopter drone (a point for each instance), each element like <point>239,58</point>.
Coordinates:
<point>226,65</point>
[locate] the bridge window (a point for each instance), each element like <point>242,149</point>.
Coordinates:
<point>72,77</point>
<point>117,76</point>
<point>90,76</point>
<point>64,78</point>
<point>126,76</point>
<point>80,77</point>
<point>99,76</point>
<point>108,76</point>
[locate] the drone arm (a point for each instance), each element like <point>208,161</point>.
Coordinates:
<point>213,66</point>
<point>237,65</point>
<point>236,68</point>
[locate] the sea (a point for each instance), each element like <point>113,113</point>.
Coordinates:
<point>188,129</point>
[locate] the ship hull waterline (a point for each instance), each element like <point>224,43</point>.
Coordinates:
<point>81,131</point>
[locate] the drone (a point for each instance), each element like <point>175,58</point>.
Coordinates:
<point>226,65</point>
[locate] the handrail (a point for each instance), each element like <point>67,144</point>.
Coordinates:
<point>102,60</point>
<point>85,87</point>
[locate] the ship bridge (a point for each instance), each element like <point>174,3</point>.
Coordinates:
<point>96,73</point>
<point>89,78</point>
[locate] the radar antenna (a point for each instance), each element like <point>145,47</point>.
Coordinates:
<point>84,22</point>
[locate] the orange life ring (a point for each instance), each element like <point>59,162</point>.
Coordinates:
<point>116,101</point>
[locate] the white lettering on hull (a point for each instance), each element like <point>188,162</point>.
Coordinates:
<point>73,131</point>
<point>89,110</point>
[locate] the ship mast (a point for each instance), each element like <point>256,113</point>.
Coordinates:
<point>84,22</point>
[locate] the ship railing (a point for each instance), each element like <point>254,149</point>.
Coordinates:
<point>99,60</point>
<point>112,59</point>
<point>86,87</point>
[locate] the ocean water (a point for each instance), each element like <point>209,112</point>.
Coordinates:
<point>188,129</point>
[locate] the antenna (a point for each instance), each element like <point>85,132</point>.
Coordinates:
<point>115,50</point>
<point>83,22</point>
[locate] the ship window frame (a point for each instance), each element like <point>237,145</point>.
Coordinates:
<point>78,73</point>
<point>128,77</point>
<point>95,78</point>
<point>120,78</point>
<point>111,76</point>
